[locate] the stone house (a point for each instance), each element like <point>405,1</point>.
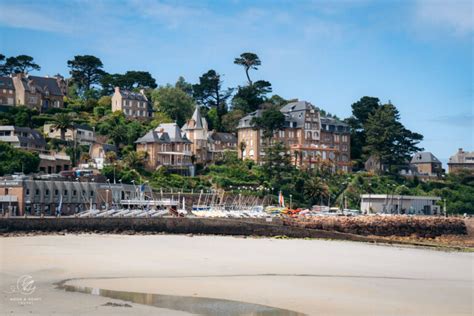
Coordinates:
<point>196,130</point>
<point>426,164</point>
<point>167,146</point>
<point>462,160</point>
<point>220,143</point>
<point>40,93</point>
<point>7,91</point>
<point>132,104</point>
<point>312,139</point>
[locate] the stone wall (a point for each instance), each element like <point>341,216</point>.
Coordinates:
<point>166,225</point>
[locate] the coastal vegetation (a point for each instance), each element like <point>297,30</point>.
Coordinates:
<point>375,126</point>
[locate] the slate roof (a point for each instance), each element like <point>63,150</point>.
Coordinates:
<point>6,83</point>
<point>223,137</point>
<point>83,127</point>
<point>245,121</point>
<point>201,122</point>
<point>462,157</point>
<point>164,133</point>
<point>130,95</point>
<point>42,84</point>
<point>33,135</point>
<point>424,157</point>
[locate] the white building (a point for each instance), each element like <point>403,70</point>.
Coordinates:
<point>83,134</point>
<point>399,204</point>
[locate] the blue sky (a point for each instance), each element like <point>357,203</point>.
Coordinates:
<point>417,54</point>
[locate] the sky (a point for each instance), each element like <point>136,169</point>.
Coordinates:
<point>416,54</point>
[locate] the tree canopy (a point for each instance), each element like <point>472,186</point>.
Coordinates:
<point>174,102</point>
<point>249,98</point>
<point>17,160</point>
<point>248,61</point>
<point>209,93</point>
<point>18,64</point>
<point>86,71</point>
<point>128,81</point>
<point>388,139</point>
<point>270,121</point>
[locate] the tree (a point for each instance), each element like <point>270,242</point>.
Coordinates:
<point>62,122</point>
<point>19,64</point>
<point>249,98</point>
<point>270,121</point>
<point>135,160</point>
<point>118,134</point>
<point>277,162</point>
<point>231,120</point>
<point>360,113</point>
<point>17,160</point>
<point>184,85</point>
<point>277,100</point>
<point>208,92</point>
<point>174,102</point>
<point>129,81</point>
<point>248,61</point>
<point>86,71</point>
<point>2,66</point>
<point>315,189</point>
<point>387,138</point>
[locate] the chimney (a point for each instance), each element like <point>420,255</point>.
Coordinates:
<point>117,90</point>
<point>142,91</point>
<point>460,150</point>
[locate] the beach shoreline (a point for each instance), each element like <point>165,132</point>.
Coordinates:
<point>306,276</point>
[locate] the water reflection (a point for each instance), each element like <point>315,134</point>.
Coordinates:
<point>194,305</point>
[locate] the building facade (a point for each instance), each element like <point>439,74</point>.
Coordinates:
<point>82,134</point>
<point>219,143</point>
<point>400,204</point>
<point>167,146</point>
<point>462,160</point>
<point>312,140</point>
<point>426,164</point>
<point>7,91</point>
<point>31,140</point>
<point>40,93</point>
<point>22,137</point>
<point>54,162</point>
<point>196,131</point>
<point>132,104</point>
<point>20,196</point>
<point>98,153</point>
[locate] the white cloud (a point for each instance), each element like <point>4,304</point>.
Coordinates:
<point>33,18</point>
<point>170,15</point>
<point>456,15</point>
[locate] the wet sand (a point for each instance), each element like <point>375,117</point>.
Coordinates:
<point>314,277</point>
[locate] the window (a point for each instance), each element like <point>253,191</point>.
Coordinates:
<point>74,192</point>
<point>56,192</point>
<point>92,193</point>
<point>27,191</point>
<point>37,192</point>
<point>46,192</point>
<point>65,192</point>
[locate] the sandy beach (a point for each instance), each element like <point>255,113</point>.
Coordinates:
<point>314,277</point>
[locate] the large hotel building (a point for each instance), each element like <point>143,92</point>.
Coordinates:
<point>310,138</point>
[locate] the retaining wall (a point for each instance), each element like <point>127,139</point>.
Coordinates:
<point>166,225</point>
